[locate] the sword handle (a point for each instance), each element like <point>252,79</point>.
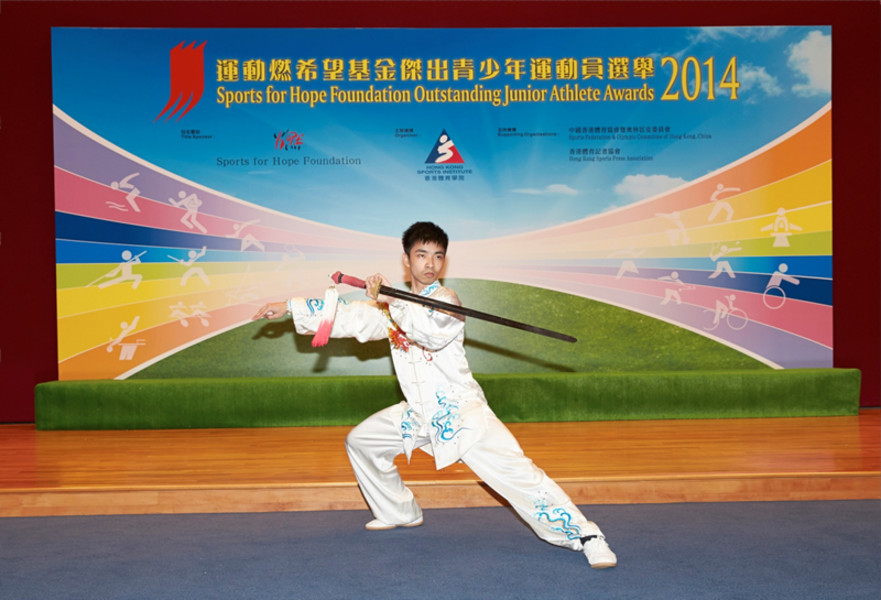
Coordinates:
<point>348,280</point>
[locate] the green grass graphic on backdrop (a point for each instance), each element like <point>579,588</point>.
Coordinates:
<point>610,339</point>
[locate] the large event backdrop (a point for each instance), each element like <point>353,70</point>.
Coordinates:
<point>681,173</point>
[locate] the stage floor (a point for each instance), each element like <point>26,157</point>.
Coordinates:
<point>305,468</point>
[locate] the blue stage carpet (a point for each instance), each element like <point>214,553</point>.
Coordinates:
<point>779,551</point>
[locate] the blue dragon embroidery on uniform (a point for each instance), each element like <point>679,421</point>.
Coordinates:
<point>407,424</point>
<point>316,305</point>
<point>428,291</point>
<point>561,517</point>
<point>445,419</point>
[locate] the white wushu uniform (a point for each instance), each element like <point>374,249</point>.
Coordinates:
<point>445,413</point>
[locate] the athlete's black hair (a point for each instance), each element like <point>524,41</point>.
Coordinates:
<point>424,231</point>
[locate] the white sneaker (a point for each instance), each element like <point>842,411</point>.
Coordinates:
<point>598,553</point>
<point>377,525</point>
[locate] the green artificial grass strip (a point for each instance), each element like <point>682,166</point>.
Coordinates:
<point>199,403</point>
<point>307,401</point>
<point>674,395</point>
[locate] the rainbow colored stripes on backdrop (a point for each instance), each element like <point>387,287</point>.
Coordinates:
<point>742,255</point>
<point>149,263</point>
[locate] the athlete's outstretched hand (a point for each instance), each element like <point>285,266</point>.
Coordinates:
<point>273,310</point>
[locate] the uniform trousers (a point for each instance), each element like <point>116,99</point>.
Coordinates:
<point>496,458</point>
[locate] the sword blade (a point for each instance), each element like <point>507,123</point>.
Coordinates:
<point>453,308</point>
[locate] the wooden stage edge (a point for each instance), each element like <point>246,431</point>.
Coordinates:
<point>53,473</point>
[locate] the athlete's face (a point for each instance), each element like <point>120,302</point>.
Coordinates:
<point>425,263</point>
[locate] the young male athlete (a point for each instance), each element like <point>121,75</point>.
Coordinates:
<point>445,411</point>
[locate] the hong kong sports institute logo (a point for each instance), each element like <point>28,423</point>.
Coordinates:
<point>444,152</point>
<point>444,163</point>
<point>187,75</point>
